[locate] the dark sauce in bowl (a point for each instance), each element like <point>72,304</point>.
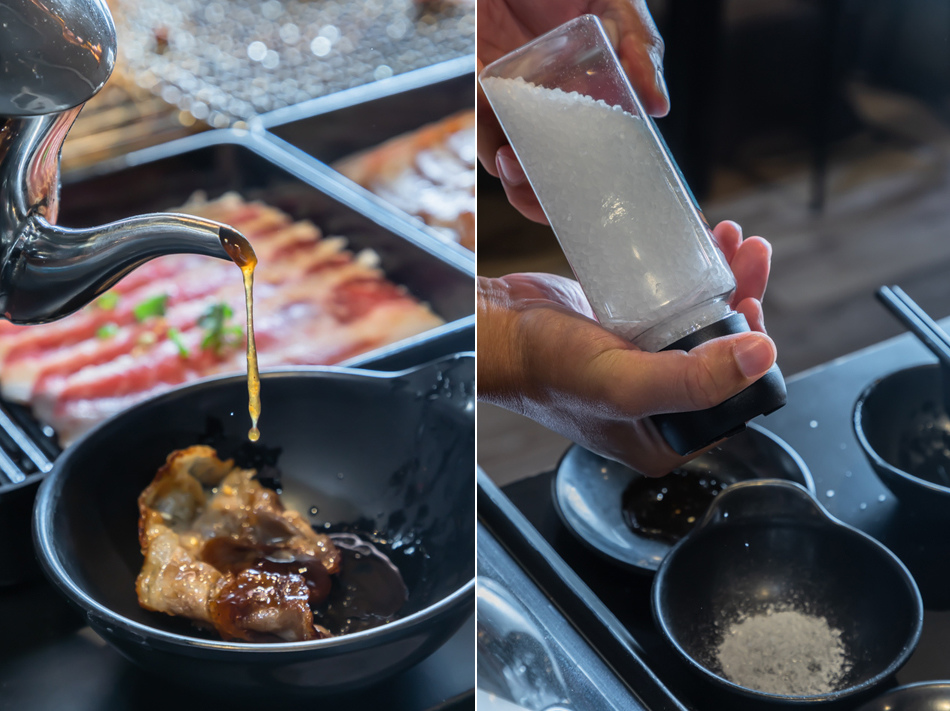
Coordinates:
<point>367,592</point>
<point>667,508</point>
<point>924,447</point>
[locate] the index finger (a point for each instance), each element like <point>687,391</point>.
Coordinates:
<point>640,48</point>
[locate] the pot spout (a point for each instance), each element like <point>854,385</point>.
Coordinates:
<point>52,271</point>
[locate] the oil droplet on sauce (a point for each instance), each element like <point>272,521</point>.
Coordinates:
<point>241,251</point>
<point>666,509</point>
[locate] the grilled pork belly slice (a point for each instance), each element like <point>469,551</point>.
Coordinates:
<point>221,550</point>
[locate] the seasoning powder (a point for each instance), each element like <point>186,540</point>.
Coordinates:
<point>784,652</point>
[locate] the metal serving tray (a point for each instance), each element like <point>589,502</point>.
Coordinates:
<point>156,179</point>
<point>611,607</point>
<point>335,126</point>
<point>545,581</point>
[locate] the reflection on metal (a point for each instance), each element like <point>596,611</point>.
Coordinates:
<point>529,655</point>
<point>514,660</point>
<point>55,56</point>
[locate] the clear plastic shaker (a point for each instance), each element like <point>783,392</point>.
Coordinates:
<point>623,215</point>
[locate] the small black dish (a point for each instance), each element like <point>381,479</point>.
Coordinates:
<point>588,491</point>
<point>924,696</point>
<point>902,426</point>
<point>388,455</point>
<point>766,547</point>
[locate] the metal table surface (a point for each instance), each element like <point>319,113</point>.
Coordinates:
<point>50,660</point>
<point>817,423</point>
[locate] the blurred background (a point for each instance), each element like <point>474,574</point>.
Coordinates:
<point>822,125</point>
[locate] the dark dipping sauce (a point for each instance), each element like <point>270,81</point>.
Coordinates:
<point>367,592</point>
<point>667,508</point>
<point>230,556</point>
<point>924,446</point>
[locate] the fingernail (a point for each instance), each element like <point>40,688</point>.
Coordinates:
<point>754,355</point>
<point>510,169</point>
<point>661,83</point>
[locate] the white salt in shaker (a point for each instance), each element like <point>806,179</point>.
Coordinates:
<point>622,213</point>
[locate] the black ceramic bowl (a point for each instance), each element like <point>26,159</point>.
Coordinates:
<point>766,547</point>
<point>589,490</point>
<point>384,454</point>
<point>903,428</point>
<point>925,696</point>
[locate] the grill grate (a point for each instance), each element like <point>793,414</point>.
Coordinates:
<point>225,62</point>
<point>27,448</point>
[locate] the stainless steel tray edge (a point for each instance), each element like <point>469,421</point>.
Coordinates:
<point>577,602</point>
<point>367,92</point>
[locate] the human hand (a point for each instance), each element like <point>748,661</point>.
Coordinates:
<point>505,25</point>
<point>542,354</point>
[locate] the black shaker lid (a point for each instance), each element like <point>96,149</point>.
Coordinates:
<point>687,432</point>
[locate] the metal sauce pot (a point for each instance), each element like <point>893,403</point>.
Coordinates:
<point>54,56</point>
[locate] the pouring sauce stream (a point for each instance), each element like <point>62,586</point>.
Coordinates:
<point>241,251</point>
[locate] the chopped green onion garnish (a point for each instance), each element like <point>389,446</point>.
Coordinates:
<point>174,335</point>
<point>218,333</point>
<point>108,301</point>
<point>150,307</point>
<point>107,330</point>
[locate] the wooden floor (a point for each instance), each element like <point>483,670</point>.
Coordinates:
<point>886,221</point>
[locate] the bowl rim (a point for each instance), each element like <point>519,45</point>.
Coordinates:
<point>98,615</point>
<point>591,543</point>
<point>857,419</point>
<point>880,703</point>
<point>895,664</point>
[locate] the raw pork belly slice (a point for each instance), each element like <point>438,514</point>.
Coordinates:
<point>429,173</point>
<point>180,318</point>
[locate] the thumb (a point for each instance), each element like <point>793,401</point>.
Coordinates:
<point>709,374</point>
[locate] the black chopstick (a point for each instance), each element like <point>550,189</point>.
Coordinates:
<point>916,320</point>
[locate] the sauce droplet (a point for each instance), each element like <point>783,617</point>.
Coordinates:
<point>241,251</point>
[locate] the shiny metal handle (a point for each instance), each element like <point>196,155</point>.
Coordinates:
<point>50,271</point>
